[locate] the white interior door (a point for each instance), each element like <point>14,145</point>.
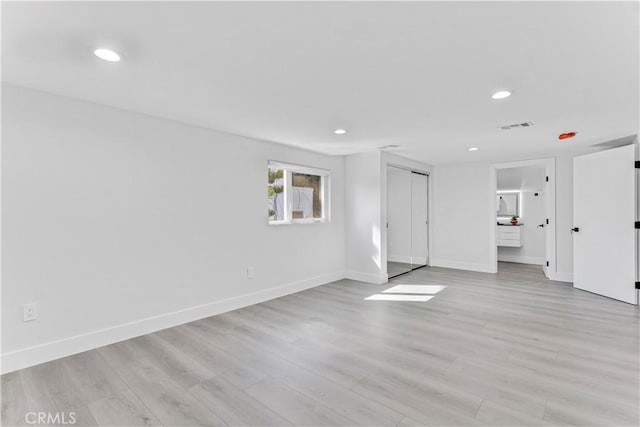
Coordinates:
<point>419,218</point>
<point>398,215</point>
<point>604,212</point>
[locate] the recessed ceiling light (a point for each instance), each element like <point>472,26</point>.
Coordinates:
<point>107,55</point>
<point>501,94</point>
<point>340,131</point>
<point>473,148</point>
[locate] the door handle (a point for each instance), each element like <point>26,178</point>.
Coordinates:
<point>540,225</point>
<point>575,229</point>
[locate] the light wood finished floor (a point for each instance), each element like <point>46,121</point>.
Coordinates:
<point>511,349</point>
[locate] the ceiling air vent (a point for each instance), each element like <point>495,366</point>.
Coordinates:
<point>517,125</point>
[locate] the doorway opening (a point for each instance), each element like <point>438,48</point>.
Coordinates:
<point>407,220</point>
<point>524,215</point>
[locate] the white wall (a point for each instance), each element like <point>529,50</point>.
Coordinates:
<point>118,224</point>
<point>363,215</point>
<point>462,216</point>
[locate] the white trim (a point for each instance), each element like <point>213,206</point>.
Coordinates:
<point>561,277</point>
<point>408,168</point>
<point>287,194</point>
<point>521,259</point>
<point>457,265</point>
<point>57,349</point>
<point>377,279</point>
<point>298,168</point>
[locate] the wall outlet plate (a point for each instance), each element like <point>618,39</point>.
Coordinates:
<point>29,312</point>
<point>249,272</point>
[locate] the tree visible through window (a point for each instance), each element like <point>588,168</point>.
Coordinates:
<point>275,191</point>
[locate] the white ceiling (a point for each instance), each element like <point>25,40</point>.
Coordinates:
<point>527,178</point>
<point>417,74</point>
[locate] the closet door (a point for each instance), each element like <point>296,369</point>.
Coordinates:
<point>419,219</point>
<point>398,215</point>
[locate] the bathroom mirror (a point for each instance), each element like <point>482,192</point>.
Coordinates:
<point>508,204</point>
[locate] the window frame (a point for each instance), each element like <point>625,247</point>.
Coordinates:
<point>325,192</point>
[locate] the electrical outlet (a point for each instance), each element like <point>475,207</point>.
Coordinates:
<point>29,312</point>
<point>249,272</point>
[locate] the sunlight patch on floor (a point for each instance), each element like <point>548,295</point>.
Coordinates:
<point>397,297</point>
<point>414,289</point>
<point>419,293</point>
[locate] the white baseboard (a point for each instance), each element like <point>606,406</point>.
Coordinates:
<point>377,279</point>
<point>561,277</point>
<point>399,258</point>
<point>521,259</point>
<point>30,356</point>
<point>457,265</point>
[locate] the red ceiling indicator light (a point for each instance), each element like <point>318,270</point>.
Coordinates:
<point>566,135</point>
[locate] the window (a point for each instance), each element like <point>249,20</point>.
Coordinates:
<point>297,194</point>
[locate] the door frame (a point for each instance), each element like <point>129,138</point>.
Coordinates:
<point>549,165</point>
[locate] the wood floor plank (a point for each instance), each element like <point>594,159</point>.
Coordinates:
<point>405,401</point>
<point>124,409</point>
<point>345,402</point>
<point>494,414</point>
<point>294,406</point>
<point>208,353</point>
<point>173,361</point>
<point>234,406</point>
<point>14,403</point>
<point>575,409</point>
<point>166,400</point>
